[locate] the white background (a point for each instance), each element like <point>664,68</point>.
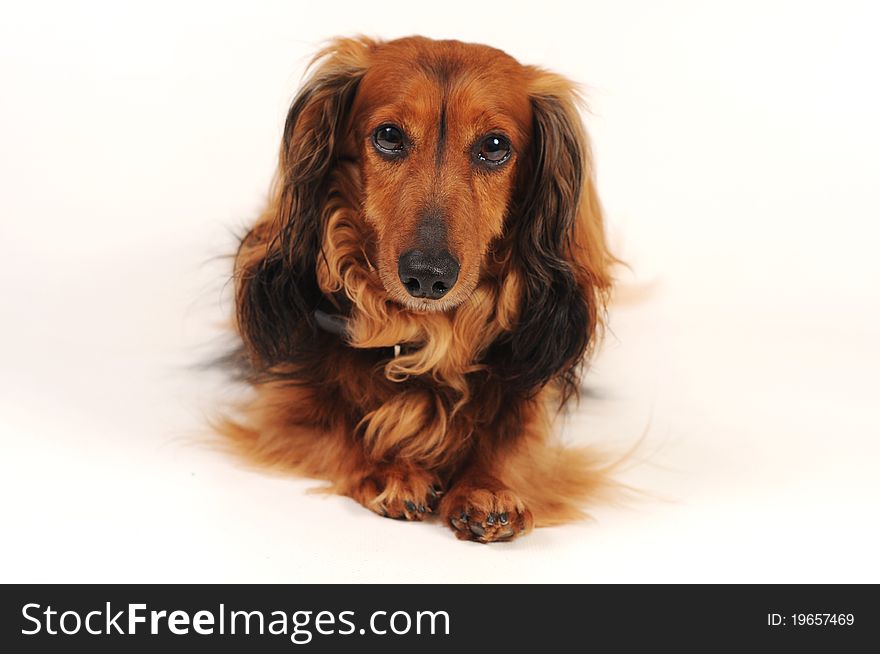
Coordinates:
<point>737,148</point>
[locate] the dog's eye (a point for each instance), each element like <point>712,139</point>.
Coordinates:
<point>388,139</point>
<point>494,149</point>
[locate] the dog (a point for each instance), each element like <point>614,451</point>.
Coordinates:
<point>418,298</point>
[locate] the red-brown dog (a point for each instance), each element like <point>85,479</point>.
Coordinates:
<point>429,275</point>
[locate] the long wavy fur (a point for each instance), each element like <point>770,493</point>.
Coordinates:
<point>459,422</point>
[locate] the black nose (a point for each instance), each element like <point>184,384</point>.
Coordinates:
<point>428,275</point>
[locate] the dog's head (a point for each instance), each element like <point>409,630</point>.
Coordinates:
<point>466,164</point>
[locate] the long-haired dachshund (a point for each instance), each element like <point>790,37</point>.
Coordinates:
<point>417,299</point>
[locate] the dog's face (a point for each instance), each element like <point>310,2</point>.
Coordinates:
<point>430,176</point>
<point>439,128</point>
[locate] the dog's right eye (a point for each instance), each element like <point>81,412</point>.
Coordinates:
<point>388,139</point>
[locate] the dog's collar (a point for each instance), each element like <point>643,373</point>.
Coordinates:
<point>337,324</point>
<point>332,322</point>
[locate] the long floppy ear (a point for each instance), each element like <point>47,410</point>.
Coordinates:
<point>558,244</point>
<point>276,288</point>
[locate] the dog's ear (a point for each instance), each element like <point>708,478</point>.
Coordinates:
<point>558,245</point>
<point>276,286</point>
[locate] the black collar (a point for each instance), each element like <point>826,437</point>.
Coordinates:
<point>332,322</point>
<point>337,324</point>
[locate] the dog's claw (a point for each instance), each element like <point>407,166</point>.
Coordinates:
<point>399,493</point>
<point>486,516</point>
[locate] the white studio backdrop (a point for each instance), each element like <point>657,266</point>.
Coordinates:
<point>736,148</point>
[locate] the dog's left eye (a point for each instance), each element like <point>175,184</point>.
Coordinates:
<point>494,149</point>
<point>388,139</point>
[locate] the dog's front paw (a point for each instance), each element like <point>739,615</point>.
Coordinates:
<point>400,492</point>
<point>484,515</point>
